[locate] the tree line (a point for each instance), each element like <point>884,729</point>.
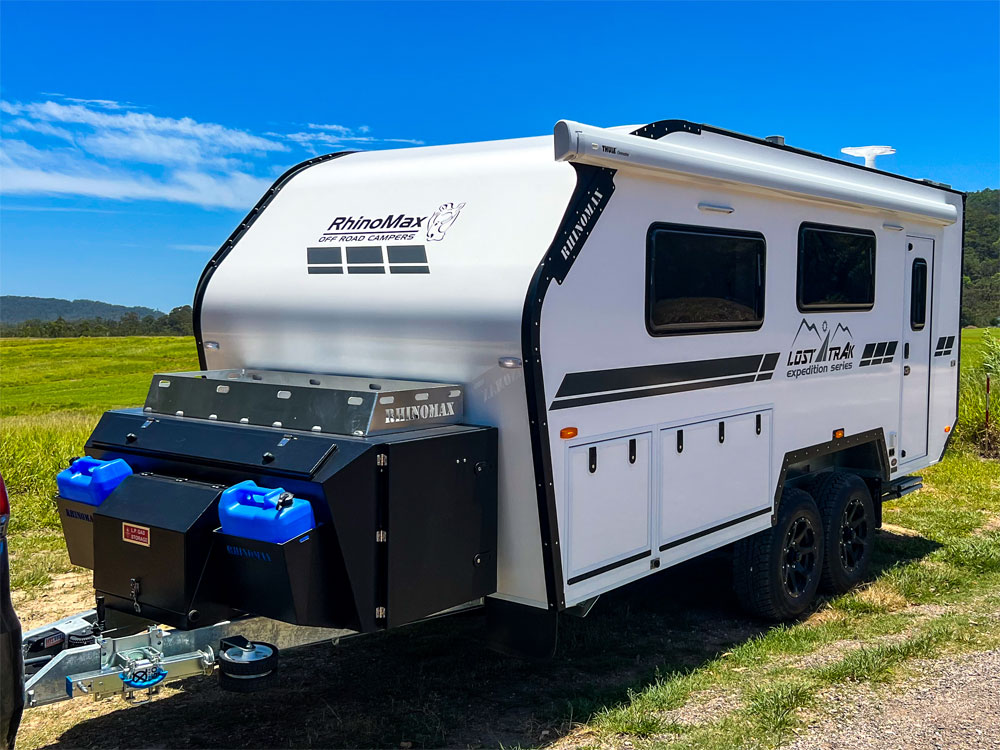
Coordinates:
<point>177,322</point>
<point>981,266</point>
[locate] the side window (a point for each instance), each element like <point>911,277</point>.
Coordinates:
<point>836,269</point>
<point>701,279</point>
<point>918,294</point>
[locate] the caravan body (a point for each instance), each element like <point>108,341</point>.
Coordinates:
<point>668,325</point>
<point>515,374</point>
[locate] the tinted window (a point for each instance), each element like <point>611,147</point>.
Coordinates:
<point>918,294</point>
<point>836,268</point>
<point>702,279</point>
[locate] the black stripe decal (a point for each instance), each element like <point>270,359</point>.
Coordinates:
<point>720,527</point>
<point>596,381</point>
<point>645,392</point>
<point>601,386</point>
<point>606,568</point>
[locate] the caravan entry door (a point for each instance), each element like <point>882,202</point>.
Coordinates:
<point>914,401</point>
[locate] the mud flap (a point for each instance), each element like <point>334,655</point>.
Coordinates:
<point>520,630</point>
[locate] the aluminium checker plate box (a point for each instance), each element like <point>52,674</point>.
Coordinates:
<point>333,404</point>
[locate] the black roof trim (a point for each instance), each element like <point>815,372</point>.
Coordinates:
<point>661,128</point>
<point>206,275</point>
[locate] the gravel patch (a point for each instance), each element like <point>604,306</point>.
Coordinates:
<point>702,707</point>
<point>954,705</point>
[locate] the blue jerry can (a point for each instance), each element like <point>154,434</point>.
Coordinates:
<point>90,480</point>
<point>264,514</point>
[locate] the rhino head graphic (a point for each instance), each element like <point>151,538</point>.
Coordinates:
<point>442,219</point>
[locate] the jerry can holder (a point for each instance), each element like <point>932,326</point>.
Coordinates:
<point>78,527</point>
<point>288,581</point>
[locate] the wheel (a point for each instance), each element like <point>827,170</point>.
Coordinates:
<point>848,514</point>
<point>245,667</point>
<point>246,658</point>
<point>776,573</point>
<point>246,683</point>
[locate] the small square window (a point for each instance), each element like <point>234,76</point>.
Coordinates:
<point>836,269</point>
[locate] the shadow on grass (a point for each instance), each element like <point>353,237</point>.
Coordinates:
<point>894,549</point>
<point>434,685</point>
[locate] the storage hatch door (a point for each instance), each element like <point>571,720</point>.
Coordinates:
<point>608,505</point>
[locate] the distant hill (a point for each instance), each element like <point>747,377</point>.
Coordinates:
<point>14,309</point>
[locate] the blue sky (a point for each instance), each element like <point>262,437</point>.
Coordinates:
<point>135,136</point>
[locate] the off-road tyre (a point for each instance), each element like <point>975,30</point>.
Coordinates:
<point>776,572</point>
<point>848,514</point>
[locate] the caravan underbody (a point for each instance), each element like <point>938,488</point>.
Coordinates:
<point>493,377</point>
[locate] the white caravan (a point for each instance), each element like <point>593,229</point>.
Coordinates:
<point>517,374</point>
<point>670,326</point>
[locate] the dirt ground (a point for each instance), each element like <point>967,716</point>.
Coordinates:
<point>434,685</point>
<point>955,705</point>
<point>427,685</point>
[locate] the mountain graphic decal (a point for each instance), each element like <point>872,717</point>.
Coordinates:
<point>816,342</point>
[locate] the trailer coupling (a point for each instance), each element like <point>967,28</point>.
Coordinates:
<point>136,666</point>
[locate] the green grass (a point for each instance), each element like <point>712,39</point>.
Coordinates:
<point>52,392</point>
<point>980,356</point>
<point>38,376</point>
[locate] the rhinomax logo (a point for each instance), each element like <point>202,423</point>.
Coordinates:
<point>817,350</point>
<point>393,227</point>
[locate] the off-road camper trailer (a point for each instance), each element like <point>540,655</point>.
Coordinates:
<point>480,375</point>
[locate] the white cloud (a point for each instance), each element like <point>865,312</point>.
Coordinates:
<point>331,139</point>
<point>102,103</point>
<point>342,129</point>
<point>109,150</point>
<point>38,127</point>
<point>235,191</point>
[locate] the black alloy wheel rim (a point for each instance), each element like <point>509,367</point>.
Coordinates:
<point>799,557</point>
<point>854,534</point>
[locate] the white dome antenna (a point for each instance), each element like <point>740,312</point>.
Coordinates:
<point>868,152</point>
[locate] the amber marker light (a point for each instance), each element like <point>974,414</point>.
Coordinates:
<point>838,434</point>
<point>568,432</point>
<point>947,428</point>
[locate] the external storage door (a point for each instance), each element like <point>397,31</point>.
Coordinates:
<point>609,505</point>
<point>918,275</point>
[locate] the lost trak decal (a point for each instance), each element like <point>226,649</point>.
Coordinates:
<point>817,350</point>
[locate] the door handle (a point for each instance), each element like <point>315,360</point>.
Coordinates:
<point>906,351</point>
<point>906,369</point>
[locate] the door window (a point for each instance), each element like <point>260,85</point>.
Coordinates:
<point>918,294</point>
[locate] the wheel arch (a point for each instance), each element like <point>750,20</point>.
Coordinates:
<point>864,454</point>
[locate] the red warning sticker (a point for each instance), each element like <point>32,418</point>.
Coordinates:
<point>135,534</point>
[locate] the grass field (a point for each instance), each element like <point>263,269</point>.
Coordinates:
<point>52,391</point>
<point>634,673</point>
